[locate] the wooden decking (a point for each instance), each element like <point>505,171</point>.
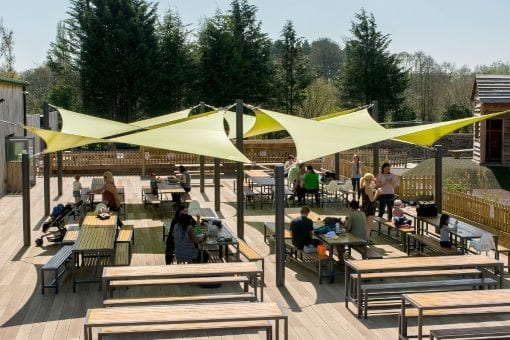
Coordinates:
<point>315,311</point>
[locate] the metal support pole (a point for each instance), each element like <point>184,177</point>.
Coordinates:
<point>201,109</point>
<point>279,224</point>
<point>217,183</point>
<point>25,175</point>
<point>337,165</point>
<point>46,125</point>
<point>439,177</point>
<point>375,146</point>
<point>240,170</point>
<point>59,172</point>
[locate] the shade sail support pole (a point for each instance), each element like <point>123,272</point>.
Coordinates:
<point>438,171</point>
<point>279,224</point>
<point>201,109</point>
<point>46,158</point>
<point>375,146</point>
<point>240,169</point>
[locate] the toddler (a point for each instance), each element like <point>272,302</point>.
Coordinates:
<point>399,218</point>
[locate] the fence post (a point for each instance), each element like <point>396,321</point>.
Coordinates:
<point>438,177</point>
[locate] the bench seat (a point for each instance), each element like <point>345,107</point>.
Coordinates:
<point>148,198</point>
<point>126,234</point>
<point>179,281</point>
<point>249,196</point>
<point>395,289</point>
<point>369,252</point>
<point>58,265</point>
<point>256,325</point>
<point>422,241</point>
<point>122,254</point>
<point>70,237</point>
<point>244,296</point>
<point>487,332</point>
<point>312,261</point>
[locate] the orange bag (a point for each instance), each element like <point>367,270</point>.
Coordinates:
<point>321,249</point>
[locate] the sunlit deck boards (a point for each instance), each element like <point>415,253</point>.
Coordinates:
<point>314,311</point>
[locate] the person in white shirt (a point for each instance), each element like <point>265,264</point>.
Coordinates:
<point>444,231</point>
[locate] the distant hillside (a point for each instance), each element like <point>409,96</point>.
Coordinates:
<point>465,174</point>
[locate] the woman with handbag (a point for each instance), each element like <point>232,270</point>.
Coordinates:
<point>369,197</point>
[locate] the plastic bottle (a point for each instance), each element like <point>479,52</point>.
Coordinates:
<point>337,227</point>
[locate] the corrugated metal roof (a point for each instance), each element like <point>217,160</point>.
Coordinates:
<point>492,88</point>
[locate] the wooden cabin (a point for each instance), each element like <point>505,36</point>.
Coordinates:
<point>12,109</point>
<point>491,143</point>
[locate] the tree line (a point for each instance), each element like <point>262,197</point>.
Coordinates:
<point>119,60</point>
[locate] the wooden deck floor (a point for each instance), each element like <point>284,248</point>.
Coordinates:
<point>315,311</point>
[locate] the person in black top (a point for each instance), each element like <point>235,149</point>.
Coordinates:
<point>170,241</point>
<point>302,230</point>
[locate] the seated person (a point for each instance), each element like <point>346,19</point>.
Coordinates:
<point>110,195</point>
<point>154,184</point>
<point>186,241</point>
<point>355,223</point>
<point>399,219</point>
<point>444,230</point>
<point>302,230</point>
<point>311,182</point>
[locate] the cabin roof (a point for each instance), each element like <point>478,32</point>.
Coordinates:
<point>491,88</point>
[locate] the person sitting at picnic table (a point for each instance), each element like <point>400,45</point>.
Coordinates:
<point>444,231</point>
<point>302,230</point>
<point>170,241</point>
<point>310,185</point>
<point>154,184</point>
<point>399,218</point>
<point>185,178</point>
<point>110,194</point>
<point>186,241</point>
<point>293,175</point>
<point>355,223</point>
<point>288,164</point>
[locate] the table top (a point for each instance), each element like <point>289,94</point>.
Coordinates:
<point>98,239</point>
<point>272,226</point>
<point>256,173</point>
<point>202,212</point>
<point>189,270</point>
<point>293,213</point>
<point>343,240</point>
<point>167,188</point>
<point>411,263</point>
<point>460,299</point>
<point>263,181</point>
<point>91,220</point>
<point>464,230</point>
<point>183,313</point>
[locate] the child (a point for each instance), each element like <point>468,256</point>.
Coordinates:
<point>154,184</point>
<point>77,188</point>
<point>444,231</point>
<point>399,218</point>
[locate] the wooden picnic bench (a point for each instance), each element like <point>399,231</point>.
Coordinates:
<point>148,198</point>
<point>456,153</point>
<point>400,233</point>
<point>393,290</point>
<point>458,303</point>
<point>487,332</point>
<point>197,273</point>
<point>312,261</point>
<point>271,226</point>
<point>58,265</point>
<point>489,267</point>
<point>204,316</point>
<point>262,325</point>
<point>420,241</point>
<point>126,234</point>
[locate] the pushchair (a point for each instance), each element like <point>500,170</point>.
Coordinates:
<point>55,228</point>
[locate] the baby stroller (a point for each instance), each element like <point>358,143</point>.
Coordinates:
<point>54,229</point>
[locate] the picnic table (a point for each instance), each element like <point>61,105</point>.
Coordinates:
<point>194,270</point>
<point>92,220</point>
<point>206,213</point>
<point>360,267</point>
<point>96,241</point>
<point>166,189</point>
<point>476,300</point>
<point>293,213</point>
<point>187,313</point>
<point>344,240</point>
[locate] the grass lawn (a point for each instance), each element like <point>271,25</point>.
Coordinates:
<point>464,174</point>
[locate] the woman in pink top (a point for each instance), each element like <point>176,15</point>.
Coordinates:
<point>387,182</point>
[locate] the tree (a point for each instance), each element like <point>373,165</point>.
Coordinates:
<point>326,58</point>
<point>321,97</point>
<point>41,80</point>
<point>6,52</point>
<point>292,71</point>
<point>61,60</point>
<point>172,83</point>
<point>457,111</point>
<point>118,46</point>
<point>370,72</point>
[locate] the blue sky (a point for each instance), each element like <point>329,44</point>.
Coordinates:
<point>464,32</point>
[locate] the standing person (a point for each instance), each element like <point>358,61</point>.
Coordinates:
<point>185,180</point>
<point>387,182</point>
<point>293,175</point>
<point>186,241</point>
<point>110,195</point>
<point>355,176</point>
<point>369,198</point>
<point>77,189</point>
<point>299,188</point>
<point>302,230</point>
<point>170,241</point>
<point>288,164</point>
<point>444,230</point>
